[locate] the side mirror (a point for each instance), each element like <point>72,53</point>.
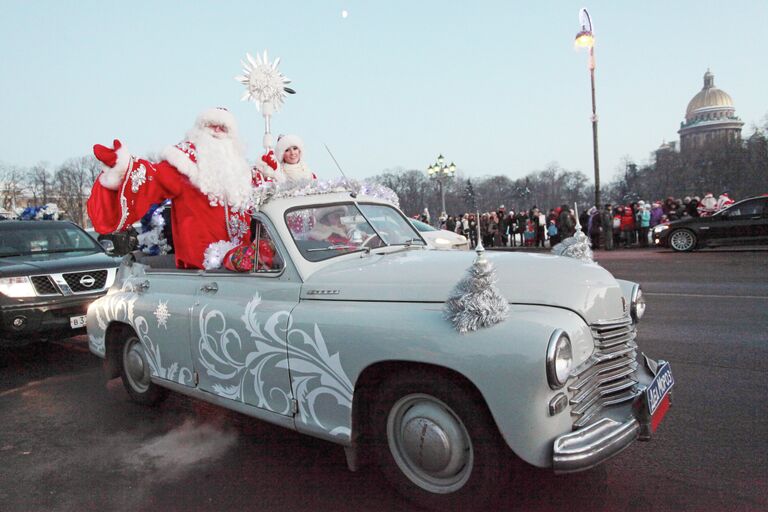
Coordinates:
<point>108,246</point>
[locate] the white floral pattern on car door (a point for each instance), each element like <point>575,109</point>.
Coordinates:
<point>314,371</point>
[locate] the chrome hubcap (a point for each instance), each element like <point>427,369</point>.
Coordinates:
<point>429,443</point>
<point>136,368</point>
<point>682,240</point>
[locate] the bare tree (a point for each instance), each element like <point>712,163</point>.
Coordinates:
<point>12,186</point>
<point>41,183</point>
<point>412,188</point>
<point>73,182</point>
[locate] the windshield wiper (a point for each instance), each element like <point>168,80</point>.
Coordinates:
<point>334,247</point>
<point>69,250</point>
<point>411,241</point>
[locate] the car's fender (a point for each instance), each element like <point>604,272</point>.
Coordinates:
<point>506,363</point>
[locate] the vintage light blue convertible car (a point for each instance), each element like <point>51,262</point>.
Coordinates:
<point>341,334</point>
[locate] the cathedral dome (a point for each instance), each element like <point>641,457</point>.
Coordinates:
<point>710,119</point>
<point>709,98</point>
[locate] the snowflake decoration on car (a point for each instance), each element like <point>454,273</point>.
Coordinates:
<point>162,314</point>
<point>263,82</point>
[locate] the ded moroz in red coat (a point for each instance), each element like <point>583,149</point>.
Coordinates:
<point>197,219</point>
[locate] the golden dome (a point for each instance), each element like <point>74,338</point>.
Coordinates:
<point>710,97</point>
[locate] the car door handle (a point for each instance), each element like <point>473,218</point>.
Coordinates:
<point>210,287</point>
<point>142,286</point>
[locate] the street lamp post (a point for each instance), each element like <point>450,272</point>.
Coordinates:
<point>439,171</point>
<point>586,39</point>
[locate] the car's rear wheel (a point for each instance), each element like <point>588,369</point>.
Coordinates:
<point>682,240</point>
<point>436,442</point>
<point>135,373</point>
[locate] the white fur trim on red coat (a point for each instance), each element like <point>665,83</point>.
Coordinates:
<point>218,116</point>
<point>112,177</point>
<point>182,162</point>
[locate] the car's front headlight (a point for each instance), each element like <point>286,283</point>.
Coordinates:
<point>661,227</point>
<point>16,287</point>
<point>559,359</point>
<point>637,308</point>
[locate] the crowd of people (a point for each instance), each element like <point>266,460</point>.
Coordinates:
<point>613,226</point>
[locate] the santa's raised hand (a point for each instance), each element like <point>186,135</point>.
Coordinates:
<point>114,163</point>
<point>105,155</point>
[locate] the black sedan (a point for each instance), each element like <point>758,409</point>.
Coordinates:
<point>50,271</point>
<point>743,223</point>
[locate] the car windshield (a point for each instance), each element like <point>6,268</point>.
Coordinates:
<point>322,232</point>
<point>422,226</point>
<point>43,237</point>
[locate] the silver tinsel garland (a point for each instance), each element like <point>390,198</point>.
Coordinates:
<point>475,302</point>
<point>277,190</point>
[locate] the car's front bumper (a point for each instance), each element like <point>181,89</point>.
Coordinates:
<point>26,320</point>
<point>595,443</point>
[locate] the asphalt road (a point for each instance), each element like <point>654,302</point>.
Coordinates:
<point>69,441</point>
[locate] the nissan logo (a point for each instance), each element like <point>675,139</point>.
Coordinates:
<point>87,281</point>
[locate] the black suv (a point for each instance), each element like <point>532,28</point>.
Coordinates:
<point>742,223</point>
<point>50,271</point>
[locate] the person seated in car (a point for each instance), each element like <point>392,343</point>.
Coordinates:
<point>329,227</point>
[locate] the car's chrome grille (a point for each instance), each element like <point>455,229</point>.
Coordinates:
<point>90,281</point>
<point>608,377</point>
<point>44,285</point>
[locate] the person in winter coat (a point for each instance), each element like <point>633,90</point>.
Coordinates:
<point>207,177</point>
<point>645,224</point>
<point>522,222</point>
<point>627,225</point>
<point>285,163</point>
<point>724,201</point>
<point>472,222</point>
<point>593,226</point>
<point>708,205</point>
<point>692,208</point>
<point>540,226</point>
<point>656,213</point>
<point>450,223</point>
<point>554,238</point>
<point>566,223</point>
<point>606,222</point>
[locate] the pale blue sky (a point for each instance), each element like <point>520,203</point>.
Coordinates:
<point>496,86</point>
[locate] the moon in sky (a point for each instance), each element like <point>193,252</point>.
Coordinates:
<point>344,13</point>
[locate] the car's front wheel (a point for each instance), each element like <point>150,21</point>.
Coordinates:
<point>682,240</point>
<point>135,374</point>
<point>436,442</point>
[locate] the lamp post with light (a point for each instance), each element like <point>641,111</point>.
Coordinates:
<point>586,39</point>
<point>440,171</point>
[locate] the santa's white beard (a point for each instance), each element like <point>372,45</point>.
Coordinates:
<point>222,168</point>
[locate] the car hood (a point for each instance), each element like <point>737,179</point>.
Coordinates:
<point>430,276</point>
<point>46,263</point>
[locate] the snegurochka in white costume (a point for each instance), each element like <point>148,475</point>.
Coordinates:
<point>292,167</point>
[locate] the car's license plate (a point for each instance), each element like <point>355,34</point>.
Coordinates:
<point>77,321</point>
<point>656,394</point>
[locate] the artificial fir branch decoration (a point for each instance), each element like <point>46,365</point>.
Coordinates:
<point>577,246</point>
<point>475,302</point>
